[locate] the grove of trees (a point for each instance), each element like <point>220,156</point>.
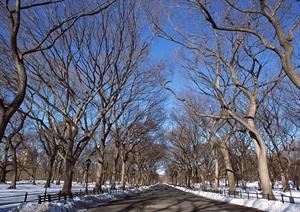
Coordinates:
<point>82,98</point>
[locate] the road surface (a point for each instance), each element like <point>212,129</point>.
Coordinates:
<point>166,198</point>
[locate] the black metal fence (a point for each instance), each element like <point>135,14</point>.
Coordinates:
<point>61,196</point>
<point>14,200</point>
<point>253,195</point>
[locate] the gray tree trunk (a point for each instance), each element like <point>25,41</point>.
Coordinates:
<point>68,175</point>
<point>228,167</point>
<point>49,172</point>
<point>4,171</point>
<point>217,172</point>
<point>123,182</point>
<point>15,169</point>
<point>114,168</point>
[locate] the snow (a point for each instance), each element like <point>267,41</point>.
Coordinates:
<point>69,205</point>
<point>16,196</point>
<point>252,188</point>
<point>261,204</point>
<point>51,207</point>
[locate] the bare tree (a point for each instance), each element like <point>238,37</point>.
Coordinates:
<point>65,87</point>
<point>280,41</point>
<point>18,21</point>
<point>14,139</point>
<point>224,68</point>
<point>221,144</point>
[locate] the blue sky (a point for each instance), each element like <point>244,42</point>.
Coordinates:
<point>164,50</point>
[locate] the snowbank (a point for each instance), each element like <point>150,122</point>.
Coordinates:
<point>10,198</point>
<point>261,204</point>
<point>77,203</point>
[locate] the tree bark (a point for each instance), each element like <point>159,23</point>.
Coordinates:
<point>140,177</point>
<point>283,169</point>
<point>123,182</point>
<point>217,171</point>
<point>221,145</point>
<point>228,167</point>
<point>100,166</point>
<point>50,172</point>
<point>86,176</point>
<point>114,170</point>
<point>4,164</point>
<point>6,112</point>
<point>263,170</point>
<point>59,172</point>
<point>284,182</point>
<point>15,169</point>
<point>260,147</point>
<point>68,175</point>
<point>34,174</point>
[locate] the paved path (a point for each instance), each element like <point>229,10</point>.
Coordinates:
<point>166,198</point>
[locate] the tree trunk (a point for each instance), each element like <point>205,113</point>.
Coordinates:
<point>284,182</point>
<point>100,167</point>
<point>3,174</point>
<point>68,175</point>
<point>228,167</point>
<point>123,182</point>
<point>263,170</point>
<point>49,172</point>
<point>4,164</point>
<point>86,176</point>
<point>260,149</point>
<point>188,181</point>
<point>140,177</point>
<point>34,174</point>
<point>99,175</point>
<point>7,111</point>
<point>283,169</point>
<point>15,169</point>
<point>188,177</point>
<point>297,183</point>
<point>59,172</point>
<point>55,171</point>
<point>242,172</point>
<point>114,170</point>
<point>217,172</point>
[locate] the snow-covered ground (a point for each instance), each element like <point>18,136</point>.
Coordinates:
<point>262,204</point>
<point>77,204</point>
<point>252,189</point>
<point>16,196</point>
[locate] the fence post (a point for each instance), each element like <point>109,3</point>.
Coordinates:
<point>25,198</point>
<point>49,198</point>
<point>248,194</point>
<point>268,197</point>
<point>282,198</point>
<point>234,194</point>
<point>256,195</point>
<point>39,199</point>
<point>241,194</point>
<point>292,199</point>
<point>65,197</point>
<point>59,194</point>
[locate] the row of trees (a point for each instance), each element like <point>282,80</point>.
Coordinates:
<point>78,84</point>
<point>236,54</point>
<point>206,151</point>
<point>77,88</point>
